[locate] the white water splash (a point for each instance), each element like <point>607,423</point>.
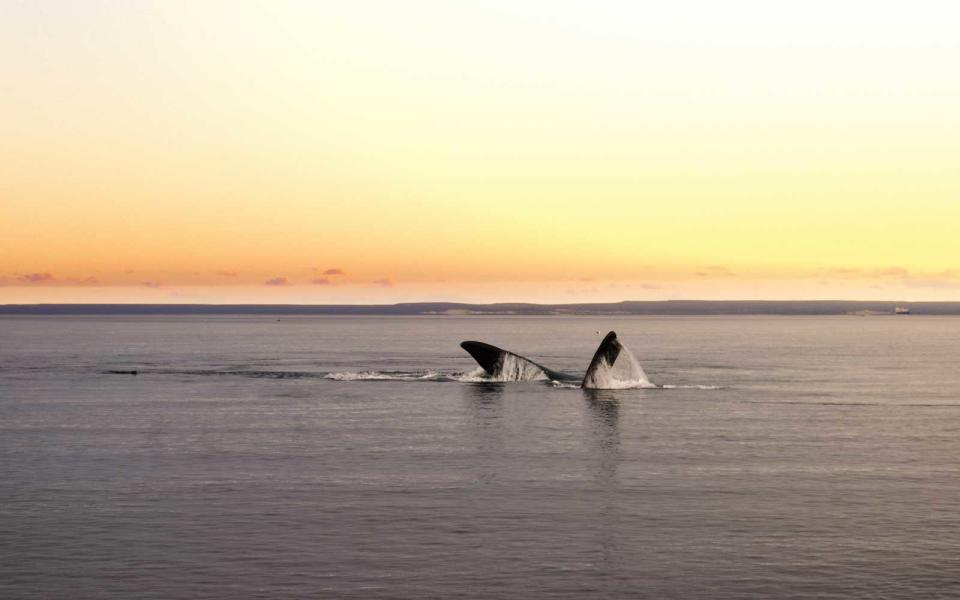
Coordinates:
<point>510,368</point>
<point>625,373</point>
<point>382,376</point>
<point>531,372</point>
<point>477,375</point>
<point>515,368</point>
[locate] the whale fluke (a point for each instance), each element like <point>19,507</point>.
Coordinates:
<point>506,366</point>
<point>605,372</point>
<point>612,367</point>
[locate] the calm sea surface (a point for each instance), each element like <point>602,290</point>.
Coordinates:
<point>342,457</point>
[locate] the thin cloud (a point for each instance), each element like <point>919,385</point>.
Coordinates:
<point>940,284</point>
<point>385,282</point>
<point>151,284</point>
<point>842,272</point>
<point>184,294</point>
<point>335,272</point>
<point>84,281</point>
<point>227,273</point>
<point>35,278</point>
<point>856,273</point>
<point>585,289</point>
<point>891,272</point>
<point>941,279</point>
<point>650,286</point>
<point>716,271</point>
<point>321,281</point>
<point>277,281</point>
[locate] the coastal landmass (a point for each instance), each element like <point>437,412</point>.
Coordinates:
<point>667,307</point>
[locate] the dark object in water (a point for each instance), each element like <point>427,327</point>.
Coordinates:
<point>606,355</point>
<point>492,360</point>
<point>502,363</point>
<point>132,372</point>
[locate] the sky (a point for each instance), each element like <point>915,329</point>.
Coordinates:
<point>478,150</point>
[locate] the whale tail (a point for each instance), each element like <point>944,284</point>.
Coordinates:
<point>613,367</point>
<point>504,365</point>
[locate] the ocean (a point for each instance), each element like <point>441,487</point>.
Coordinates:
<point>365,457</point>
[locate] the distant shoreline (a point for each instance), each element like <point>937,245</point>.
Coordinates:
<point>667,307</point>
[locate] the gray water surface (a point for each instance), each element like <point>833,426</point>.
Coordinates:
<point>349,457</point>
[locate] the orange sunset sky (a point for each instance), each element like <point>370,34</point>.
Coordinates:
<point>478,150</point>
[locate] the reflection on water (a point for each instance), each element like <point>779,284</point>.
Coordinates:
<point>485,407</point>
<point>603,410</point>
<point>603,415</point>
<point>486,391</point>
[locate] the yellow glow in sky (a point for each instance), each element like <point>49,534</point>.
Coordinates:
<point>478,150</point>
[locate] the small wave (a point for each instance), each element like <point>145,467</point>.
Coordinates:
<point>636,384</point>
<point>218,373</point>
<point>639,385</point>
<point>668,386</point>
<point>273,374</point>
<point>629,384</point>
<point>384,376</point>
<point>478,375</point>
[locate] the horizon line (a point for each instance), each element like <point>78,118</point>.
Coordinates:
<point>713,301</point>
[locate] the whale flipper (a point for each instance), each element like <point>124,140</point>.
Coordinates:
<point>605,373</point>
<point>507,366</point>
